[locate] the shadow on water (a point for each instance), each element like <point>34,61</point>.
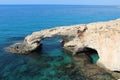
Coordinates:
<point>47,64</point>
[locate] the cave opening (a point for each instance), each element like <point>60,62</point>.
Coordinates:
<point>91,53</point>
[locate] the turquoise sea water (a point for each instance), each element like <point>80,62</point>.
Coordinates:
<point>17,21</point>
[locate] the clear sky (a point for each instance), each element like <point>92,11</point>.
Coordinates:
<point>68,2</point>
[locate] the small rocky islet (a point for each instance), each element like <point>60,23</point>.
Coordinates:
<point>100,37</point>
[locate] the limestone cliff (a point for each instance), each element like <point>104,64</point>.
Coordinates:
<point>102,36</point>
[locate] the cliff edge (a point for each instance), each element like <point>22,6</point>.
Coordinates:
<point>104,37</point>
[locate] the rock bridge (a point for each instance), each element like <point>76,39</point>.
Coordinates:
<point>104,37</point>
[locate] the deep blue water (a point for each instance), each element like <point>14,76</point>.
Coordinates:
<point>17,21</point>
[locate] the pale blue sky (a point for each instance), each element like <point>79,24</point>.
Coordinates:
<point>75,2</point>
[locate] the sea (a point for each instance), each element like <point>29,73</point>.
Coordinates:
<point>18,21</point>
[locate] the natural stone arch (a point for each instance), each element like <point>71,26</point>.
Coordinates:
<point>31,42</point>
<point>104,37</point>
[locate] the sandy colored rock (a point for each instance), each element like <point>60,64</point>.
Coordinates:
<point>104,37</point>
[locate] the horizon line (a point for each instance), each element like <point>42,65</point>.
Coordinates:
<point>68,4</point>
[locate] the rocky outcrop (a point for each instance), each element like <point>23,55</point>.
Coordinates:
<point>104,37</point>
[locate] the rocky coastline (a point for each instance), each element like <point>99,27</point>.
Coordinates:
<point>103,37</point>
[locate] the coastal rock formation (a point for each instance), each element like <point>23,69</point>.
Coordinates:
<point>104,37</point>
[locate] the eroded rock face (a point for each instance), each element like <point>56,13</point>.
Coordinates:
<point>104,37</point>
<point>31,42</point>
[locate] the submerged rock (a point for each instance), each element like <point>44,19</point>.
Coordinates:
<point>102,36</point>
<point>92,71</point>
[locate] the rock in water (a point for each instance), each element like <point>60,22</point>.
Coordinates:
<point>104,37</point>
